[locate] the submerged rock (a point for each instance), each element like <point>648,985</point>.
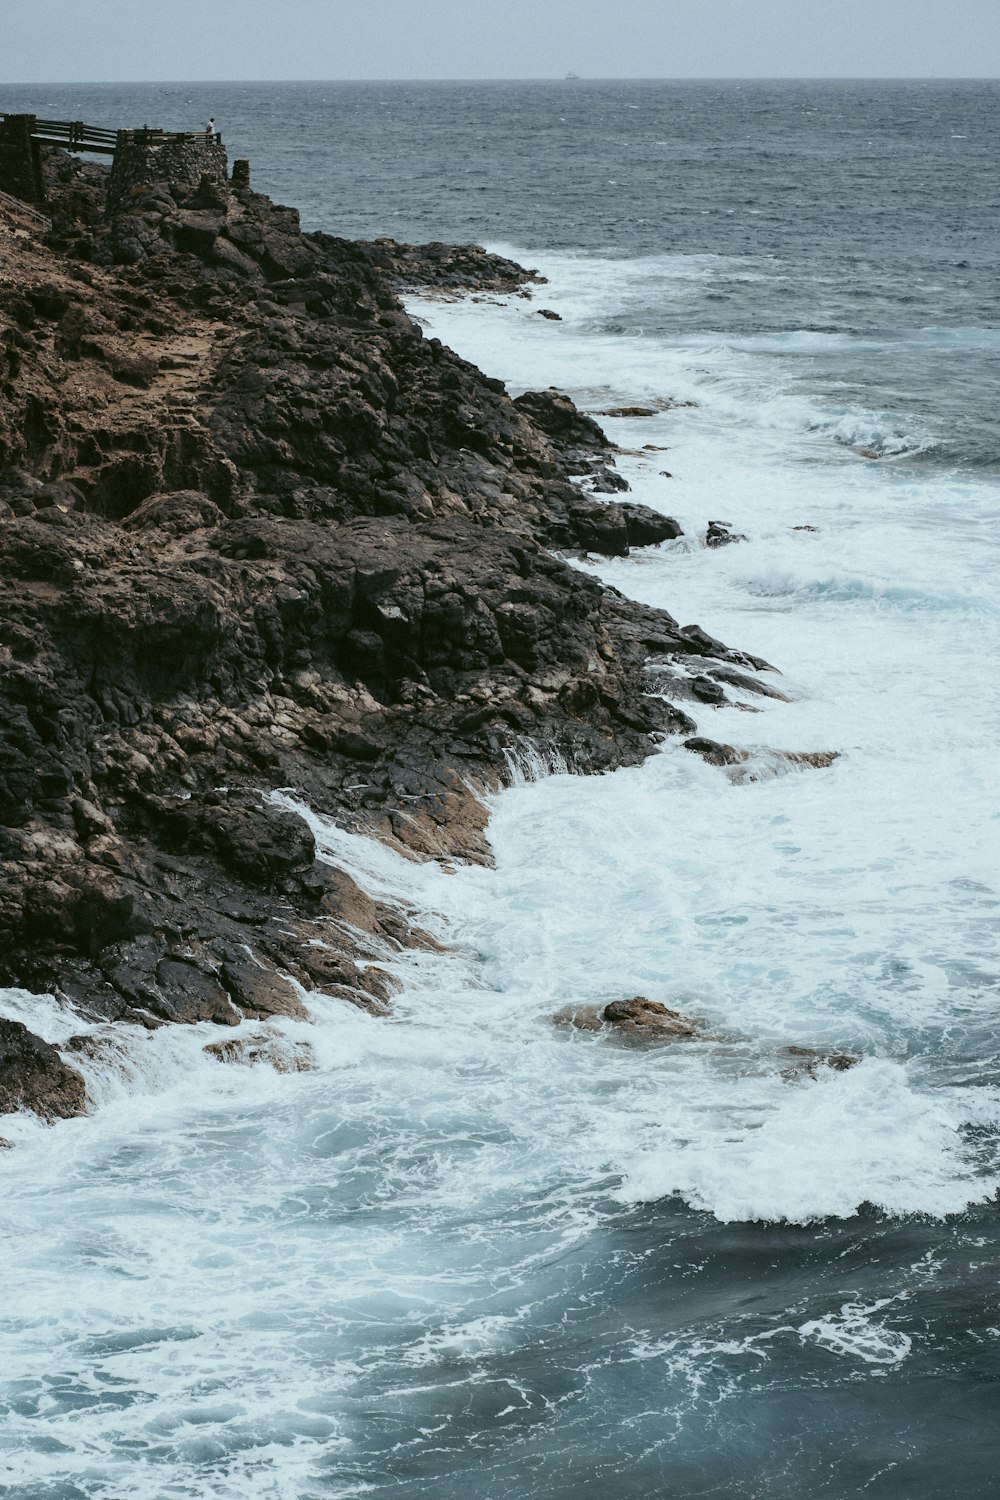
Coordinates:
<point>261,1050</point>
<point>757,765</point>
<point>810,1059</point>
<point>719,534</point>
<point>716,754</point>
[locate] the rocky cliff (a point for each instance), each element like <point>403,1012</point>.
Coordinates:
<point>257,532</point>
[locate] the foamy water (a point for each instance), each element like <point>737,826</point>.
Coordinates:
<point>475,1254</point>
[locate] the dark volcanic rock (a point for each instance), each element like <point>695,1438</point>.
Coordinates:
<point>33,1076</point>
<point>719,534</point>
<point>451,268</point>
<point>647,527</point>
<point>258,532</point>
<point>558,417</point>
<point>252,839</point>
<point>716,754</point>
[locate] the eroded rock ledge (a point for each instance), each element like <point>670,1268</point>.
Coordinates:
<point>257,532</point>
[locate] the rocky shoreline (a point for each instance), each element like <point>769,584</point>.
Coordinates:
<point>257,532</point>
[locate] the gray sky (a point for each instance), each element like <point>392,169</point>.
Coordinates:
<point>108,41</point>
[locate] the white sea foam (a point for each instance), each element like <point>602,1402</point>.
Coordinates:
<point>855,1333</point>
<point>232,1277</point>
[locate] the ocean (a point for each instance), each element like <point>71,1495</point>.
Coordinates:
<point>475,1256</point>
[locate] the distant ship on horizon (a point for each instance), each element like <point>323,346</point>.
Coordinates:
<point>574,76</point>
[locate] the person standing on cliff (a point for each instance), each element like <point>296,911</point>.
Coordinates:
<point>210,127</point>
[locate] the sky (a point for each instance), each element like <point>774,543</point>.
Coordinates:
<point>106,41</point>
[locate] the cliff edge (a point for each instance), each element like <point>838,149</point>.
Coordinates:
<point>257,532</point>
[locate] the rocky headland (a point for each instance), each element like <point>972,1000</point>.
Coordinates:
<point>257,532</point>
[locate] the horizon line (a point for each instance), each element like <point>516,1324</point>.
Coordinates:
<point>534,78</point>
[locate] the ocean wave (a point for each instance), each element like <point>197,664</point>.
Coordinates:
<point>785,589</point>
<point>828,1148</point>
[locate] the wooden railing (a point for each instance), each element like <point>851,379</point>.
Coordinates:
<point>74,135</point>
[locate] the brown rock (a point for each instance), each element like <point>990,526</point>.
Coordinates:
<point>638,1018</point>
<point>728,755</point>
<point>263,1050</point>
<point>716,754</point>
<point>261,992</point>
<point>34,1076</point>
<point>642,1017</point>
<point>582,1017</point>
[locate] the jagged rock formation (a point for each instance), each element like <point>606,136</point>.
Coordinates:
<point>257,532</point>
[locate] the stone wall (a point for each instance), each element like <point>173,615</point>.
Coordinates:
<point>175,162</point>
<point>20,163</point>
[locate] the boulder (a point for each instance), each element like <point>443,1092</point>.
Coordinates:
<point>33,1076</point>
<point>607,481</point>
<point>559,418</point>
<point>648,1018</point>
<point>719,534</point>
<point>770,761</point>
<point>647,527</point>
<point>262,1050</point>
<point>811,1059</point>
<point>179,513</point>
<point>716,754</point>
<point>638,1018</point>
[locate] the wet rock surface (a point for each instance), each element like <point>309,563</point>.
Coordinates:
<point>257,532</point>
<point>809,1060</point>
<point>756,766</point>
<point>33,1076</point>
<point>639,1019</point>
<point>263,1050</point>
<point>721,534</point>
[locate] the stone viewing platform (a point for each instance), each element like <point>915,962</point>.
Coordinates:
<point>139,156</point>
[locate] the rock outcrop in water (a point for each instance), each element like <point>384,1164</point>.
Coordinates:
<point>257,532</point>
<point>637,1019</point>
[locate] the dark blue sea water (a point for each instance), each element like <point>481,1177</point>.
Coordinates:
<point>861,209</point>
<point>472,1257</point>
